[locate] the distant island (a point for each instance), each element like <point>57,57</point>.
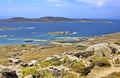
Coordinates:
<point>53,19</point>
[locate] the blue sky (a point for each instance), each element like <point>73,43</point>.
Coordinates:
<point>63,8</point>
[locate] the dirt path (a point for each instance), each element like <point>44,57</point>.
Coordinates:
<point>103,73</point>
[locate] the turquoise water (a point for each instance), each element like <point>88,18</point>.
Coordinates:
<point>38,31</point>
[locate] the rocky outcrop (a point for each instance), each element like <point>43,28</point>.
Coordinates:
<point>9,74</point>
<point>14,60</point>
<point>60,33</point>
<point>104,49</point>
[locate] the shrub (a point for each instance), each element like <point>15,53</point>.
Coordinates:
<point>78,67</point>
<point>101,61</point>
<point>50,63</point>
<point>46,74</point>
<point>66,60</point>
<point>70,75</point>
<point>23,45</point>
<point>28,71</point>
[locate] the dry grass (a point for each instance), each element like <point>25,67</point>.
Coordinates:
<point>43,53</point>
<point>113,75</point>
<point>33,54</point>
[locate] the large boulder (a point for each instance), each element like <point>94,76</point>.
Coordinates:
<point>104,49</point>
<point>9,74</point>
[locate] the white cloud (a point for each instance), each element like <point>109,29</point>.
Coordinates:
<point>98,3</point>
<point>83,3</point>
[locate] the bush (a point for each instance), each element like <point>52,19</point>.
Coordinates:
<point>46,74</point>
<point>70,75</point>
<point>101,61</point>
<point>30,71</point>
<point>66,60</point>
<point>50,63</point>
<point>23,45</point>
<point>79,67</point>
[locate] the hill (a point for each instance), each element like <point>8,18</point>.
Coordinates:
<point>53,19</point>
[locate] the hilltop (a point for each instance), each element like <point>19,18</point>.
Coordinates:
<point>53,19</point>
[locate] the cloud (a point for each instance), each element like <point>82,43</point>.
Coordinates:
<point>97,3</point>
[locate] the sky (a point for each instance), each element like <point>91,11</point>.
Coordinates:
<point>60,8</point>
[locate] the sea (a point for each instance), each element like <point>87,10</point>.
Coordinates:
<point>38,31</point>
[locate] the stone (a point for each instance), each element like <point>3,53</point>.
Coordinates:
<point>28,76</point>
<point>14,60</point>
<point>9,74</point>
<point>100,50</point>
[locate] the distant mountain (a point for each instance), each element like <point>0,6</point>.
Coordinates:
<point>52,19</point>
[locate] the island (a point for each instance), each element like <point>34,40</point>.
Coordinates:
<point>54,19</point>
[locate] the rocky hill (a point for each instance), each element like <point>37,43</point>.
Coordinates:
<point>53,19</point>
<point>62,61</point>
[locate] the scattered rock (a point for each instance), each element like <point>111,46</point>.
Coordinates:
<point>14,60</point>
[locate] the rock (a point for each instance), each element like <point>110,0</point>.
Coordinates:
<point>104,49</point>
<point>57,56</point>
<point>24,64</point>
<point>9,74</point>
<point>60,33</point>
<point>100,50</point>
<point>84,54</point>
<point>14,60</point>
<point>115,47</point>
<point>28,76</point>
<point>73,58</point>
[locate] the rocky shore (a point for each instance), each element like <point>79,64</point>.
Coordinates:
<point>78,60</point>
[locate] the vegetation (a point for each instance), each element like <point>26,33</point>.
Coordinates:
<point>78,67</point>
<point>80,47</point>
<point>30,71</point>
<point>117,43</point>
<point>101,61</point>
<point>50,63</point>
<point>46,74</point>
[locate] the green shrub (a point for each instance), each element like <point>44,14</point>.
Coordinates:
<point>101,61</point>
<point>50,63</point>
<point>30,71</point>
<point>66,60</point>
<point>70,75</point>
<point>23,45</point>
<point>46,74</point>
<point>79,67</point>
